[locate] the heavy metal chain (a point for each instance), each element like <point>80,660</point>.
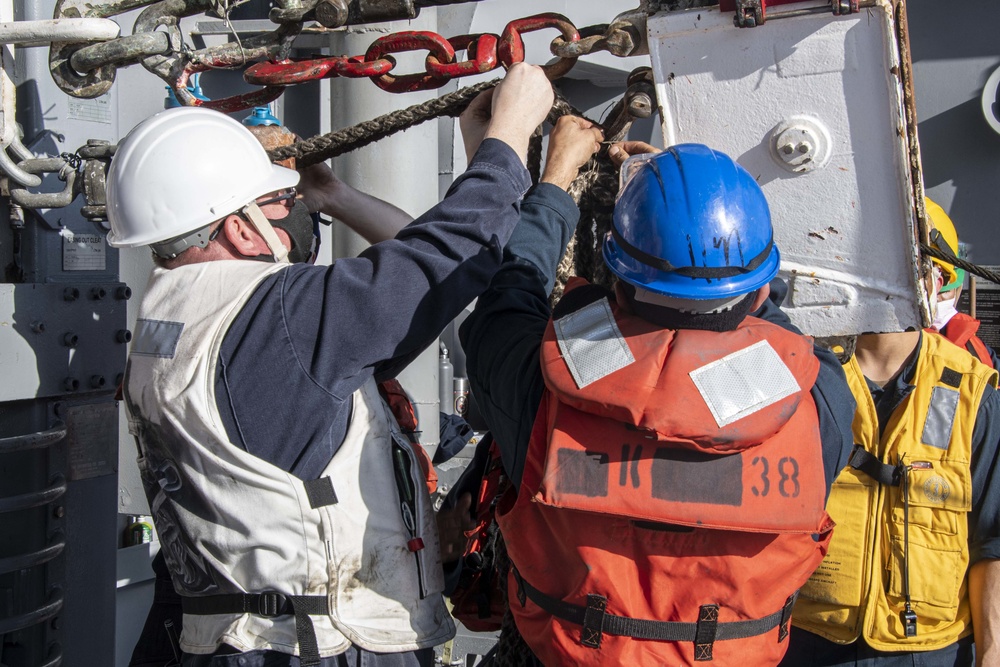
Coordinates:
<point>485,51</point>
<point>89,70</point>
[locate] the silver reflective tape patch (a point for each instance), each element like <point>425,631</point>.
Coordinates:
<point>744,382</point>
<point>591,343</point>
<point>940,417</point>
<point>156,338</point>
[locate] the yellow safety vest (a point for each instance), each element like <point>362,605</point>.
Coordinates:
<point>859,589</point>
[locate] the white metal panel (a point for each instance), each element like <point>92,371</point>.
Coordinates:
<point>845,223</point>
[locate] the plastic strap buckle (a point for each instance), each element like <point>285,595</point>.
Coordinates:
<point>271,604</point>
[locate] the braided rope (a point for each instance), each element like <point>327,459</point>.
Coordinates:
<point>326,146</point>
<point>961,263</point>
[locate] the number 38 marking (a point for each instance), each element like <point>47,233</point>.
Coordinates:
<point>788,477</point>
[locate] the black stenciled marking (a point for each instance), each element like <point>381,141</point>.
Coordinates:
<point>692,477</point>
<point>623,474</point>
<point>582,473</point>
<point>765,481</point>
<point>635,466</point>
<point>788,477</point>
<point>784,465</point>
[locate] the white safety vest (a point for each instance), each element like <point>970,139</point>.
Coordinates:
<point>230,522</point>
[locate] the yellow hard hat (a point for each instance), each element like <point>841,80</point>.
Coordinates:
<point>945,238</point>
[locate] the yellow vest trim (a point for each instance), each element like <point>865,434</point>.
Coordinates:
<point>858,589</point>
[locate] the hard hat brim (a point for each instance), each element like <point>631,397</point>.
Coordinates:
<point>684,287</point>
<point>280,178</point>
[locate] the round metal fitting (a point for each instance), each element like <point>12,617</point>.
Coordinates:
<point>801,144</point>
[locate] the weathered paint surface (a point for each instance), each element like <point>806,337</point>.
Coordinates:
<point>812,107</point>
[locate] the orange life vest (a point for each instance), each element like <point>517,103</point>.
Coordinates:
<point>961,330</point>
<point>644,532</point>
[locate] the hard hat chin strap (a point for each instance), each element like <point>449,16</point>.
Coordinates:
<point>264,228</point>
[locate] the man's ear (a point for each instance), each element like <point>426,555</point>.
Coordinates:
<point>243,237</point>
<point>761,297</point>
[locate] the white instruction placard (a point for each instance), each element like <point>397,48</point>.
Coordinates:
<point>84,252</point>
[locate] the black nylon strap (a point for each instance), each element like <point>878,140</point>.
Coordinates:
<point>705,632</point>
<point>637,628</point>
<point>786,617</point>
<point>866,462</point>
<point>269,604</point>
<point>593,621</point>
<point>691,271</point>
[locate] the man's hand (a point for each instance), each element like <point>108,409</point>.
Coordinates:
<point>318,186</point>
<point>622,150</point>
<point>520,104</point>
<point>452,526</point>
<point>474,121</point>
<point>572,142</point>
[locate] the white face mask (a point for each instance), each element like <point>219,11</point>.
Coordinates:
<point>944,312</point>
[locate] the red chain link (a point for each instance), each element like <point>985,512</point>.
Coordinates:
<point>511,47</point>
<point>231,104</point>
<point>482,52</point>
<point>403,42</point>
<point>485,52</point>
<point>300,70</point>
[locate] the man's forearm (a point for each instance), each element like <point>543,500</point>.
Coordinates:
<point>374,219</point>
<point>984,601</point>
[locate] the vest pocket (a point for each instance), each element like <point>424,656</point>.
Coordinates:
<point>936,574</point>
<point>417,514</point>
<point>839,579</point>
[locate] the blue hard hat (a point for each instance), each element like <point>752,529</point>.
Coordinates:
<point>261,116</point>
<point>690,223</point>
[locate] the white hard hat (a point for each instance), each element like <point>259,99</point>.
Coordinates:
<point>182,169</point>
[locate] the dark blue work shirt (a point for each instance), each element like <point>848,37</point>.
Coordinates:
<point>503,335</point>
<point>312,335</point>
<point>984,518</point>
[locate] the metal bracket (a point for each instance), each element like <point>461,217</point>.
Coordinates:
<point>751,13</point>
<point>841,7</point>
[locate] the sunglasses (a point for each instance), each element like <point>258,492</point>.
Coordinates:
<point>289,195</point>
